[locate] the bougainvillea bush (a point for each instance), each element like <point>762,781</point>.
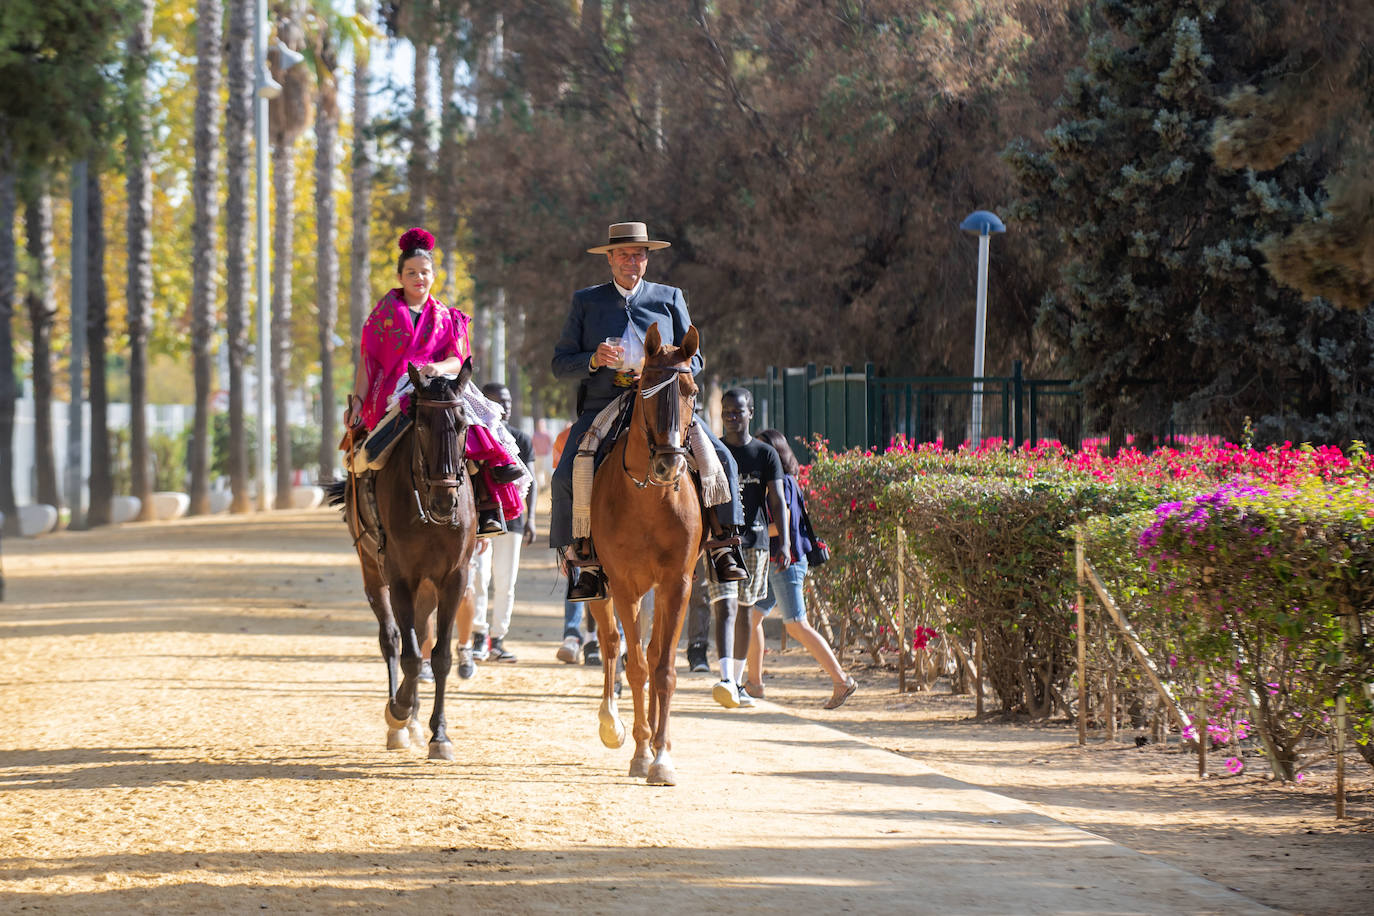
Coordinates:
<point>1245,569</point>
<point>1266,595</point>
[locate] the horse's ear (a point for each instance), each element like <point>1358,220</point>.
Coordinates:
<point>416,382</point>
<point>653,341</point>
<point>690,343</point>
<point>465,373</point>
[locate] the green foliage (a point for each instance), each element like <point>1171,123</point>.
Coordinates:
<point>56,65</point>
<point>305,447</point>
<point>220,444</point>
<point>1162,276</point>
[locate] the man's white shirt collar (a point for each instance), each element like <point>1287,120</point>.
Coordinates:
<point>627,294</point>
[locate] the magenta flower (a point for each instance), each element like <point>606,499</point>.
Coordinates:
<point>1234,765</point>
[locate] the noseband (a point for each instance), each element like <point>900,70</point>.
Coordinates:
<point>450,477</point>
<point>667,422</point>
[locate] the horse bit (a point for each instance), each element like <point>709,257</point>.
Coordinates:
<point>655,450</point>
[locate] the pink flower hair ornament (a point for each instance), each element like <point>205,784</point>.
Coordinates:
<point>416,238</point>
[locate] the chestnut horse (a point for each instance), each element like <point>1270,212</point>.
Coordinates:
<point>647,527</point>
<point>428,519</point>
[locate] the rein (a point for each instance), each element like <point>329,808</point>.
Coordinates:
<point>667,424</point>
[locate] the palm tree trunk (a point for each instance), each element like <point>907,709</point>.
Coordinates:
<point>97,311</point>
<point>361,181</point>
<point>289,115</point>
<point>9,385</point>
<point>445,193</point>
<point>326,247</point>
<point>421,163</point>
<point>238,126</point>
<point>284,193</point>
<point>40,298</point>
<point>209,16</point>
<point>139,296</point>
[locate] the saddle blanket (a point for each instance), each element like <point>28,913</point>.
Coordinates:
<point>715,488</point>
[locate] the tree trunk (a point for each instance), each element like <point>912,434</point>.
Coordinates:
<point>445,193</point>
<point>420,155</point>
<point>326,248</point>
<point>40,299</point>
<point>238,127</point>
<point>74,478</point>
<point>359,304</point>
<point>204,192</point>
<point>284,192</point>
<point>139,286</point>
<point>97,312</point>
<point>289,114</point>
<point>9,384</point>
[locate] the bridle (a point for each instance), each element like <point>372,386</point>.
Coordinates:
<point>447,461</point>
<point>668,419</point>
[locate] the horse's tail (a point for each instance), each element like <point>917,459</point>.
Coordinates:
<point>334,492</point>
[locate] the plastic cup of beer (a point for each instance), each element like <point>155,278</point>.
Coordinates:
<point>619,344</point>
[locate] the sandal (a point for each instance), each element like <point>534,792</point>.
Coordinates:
<point>842,693</point>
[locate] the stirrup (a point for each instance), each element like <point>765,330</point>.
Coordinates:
<point>728,563</point>
<point>490,524</point>
<point>586,583</point>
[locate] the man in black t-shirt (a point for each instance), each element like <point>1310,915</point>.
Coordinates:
<point>760,482</point>
<point>498,564</point>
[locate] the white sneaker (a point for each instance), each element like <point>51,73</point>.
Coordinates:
<point>726,694</point>
<point>745,700</point>
<point>479,646</point>
<point>567,652</point>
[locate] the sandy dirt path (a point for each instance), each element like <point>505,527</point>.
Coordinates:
<point>193,723</point>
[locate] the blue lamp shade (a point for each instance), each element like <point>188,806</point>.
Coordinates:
<point>982,222</point>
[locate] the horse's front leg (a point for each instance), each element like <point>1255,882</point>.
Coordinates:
<point>451,594</point>
<point>636,669</point>
<point>612,730</point>
<point>389,637</point>
<point>406,701</point>
<point>670,611</point>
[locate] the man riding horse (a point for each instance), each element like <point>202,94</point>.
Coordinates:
<point>624,309</point>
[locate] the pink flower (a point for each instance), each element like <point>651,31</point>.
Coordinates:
<point>1234,765</point>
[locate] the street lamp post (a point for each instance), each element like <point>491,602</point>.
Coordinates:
<point>983,223</point>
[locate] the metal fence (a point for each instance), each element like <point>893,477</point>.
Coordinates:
<point>860,409</point>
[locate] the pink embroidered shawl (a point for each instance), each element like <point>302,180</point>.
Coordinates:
<point>391,341</point>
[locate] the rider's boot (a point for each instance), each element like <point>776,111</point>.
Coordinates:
<point>586,581</point>
<point>723,550</point>
<point>490,521</point>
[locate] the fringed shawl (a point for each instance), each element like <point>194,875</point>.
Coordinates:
<point>391,341</point>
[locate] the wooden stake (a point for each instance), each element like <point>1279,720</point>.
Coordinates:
<point>1340,757</point>
<point>1202,739</point>
<point>901,611</point>
<point>978,671</point>
<point>1079,562</point>
<point>1166,696</point>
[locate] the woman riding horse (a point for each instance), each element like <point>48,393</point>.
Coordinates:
<point>408,326</point>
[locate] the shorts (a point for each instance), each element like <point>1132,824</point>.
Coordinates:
<point>785,590</point>
<point>750,592</point>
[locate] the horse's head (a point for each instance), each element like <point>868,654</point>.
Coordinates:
<point>668,391</point>
<point>441,428</point>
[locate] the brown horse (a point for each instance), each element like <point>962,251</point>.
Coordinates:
<point>425,510</point>
<point>647,527</point>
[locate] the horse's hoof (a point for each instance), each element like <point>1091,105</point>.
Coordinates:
<point>612,731</point>
<point>397,738</point>
<point>639,766</point>
<point>441,750</point>
<point>417,731</point>
<point>662,774</point>
<point>392,721</point>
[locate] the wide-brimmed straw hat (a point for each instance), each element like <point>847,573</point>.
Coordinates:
<point>628,235</point>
